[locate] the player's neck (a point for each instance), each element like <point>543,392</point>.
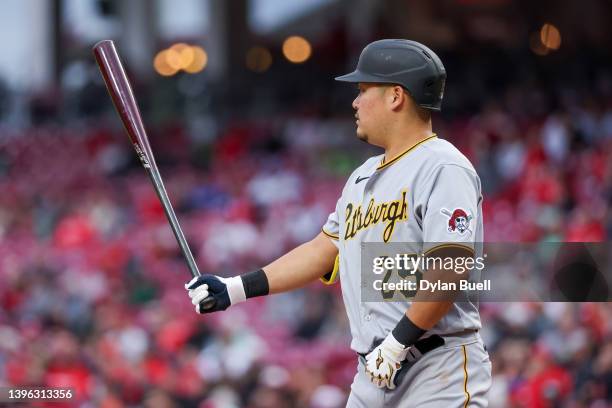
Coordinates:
<point>403,139</point>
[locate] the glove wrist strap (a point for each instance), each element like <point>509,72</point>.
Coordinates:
<point>255,284</point>
<point>235,290</point>
<point>407,332</point>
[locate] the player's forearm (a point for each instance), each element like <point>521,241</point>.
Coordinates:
<point>301,265</point>
<point>210,293</point>
<point>424,313</point>
<point>428,308</point>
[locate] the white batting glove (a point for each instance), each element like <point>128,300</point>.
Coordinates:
<point>383,363</point>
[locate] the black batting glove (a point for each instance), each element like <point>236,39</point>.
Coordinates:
<point>210,293</point>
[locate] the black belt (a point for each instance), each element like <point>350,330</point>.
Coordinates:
<point>422,347</point>
<point>429,343</point>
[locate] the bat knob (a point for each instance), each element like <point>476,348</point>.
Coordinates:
<point>208,303</point>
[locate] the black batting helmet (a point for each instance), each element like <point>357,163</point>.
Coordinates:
<point>407,63</point>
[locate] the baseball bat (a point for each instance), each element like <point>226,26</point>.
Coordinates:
<point>121,93</point>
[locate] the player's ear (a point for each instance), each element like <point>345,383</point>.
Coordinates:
<point>397,97</point>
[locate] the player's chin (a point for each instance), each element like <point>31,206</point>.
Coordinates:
<point>361,135</point>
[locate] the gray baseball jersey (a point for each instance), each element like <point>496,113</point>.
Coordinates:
<point>428,194</point>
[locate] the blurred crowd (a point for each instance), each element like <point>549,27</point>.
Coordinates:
<point>92,279</point>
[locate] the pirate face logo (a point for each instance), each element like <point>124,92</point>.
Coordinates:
<point>458,220</point>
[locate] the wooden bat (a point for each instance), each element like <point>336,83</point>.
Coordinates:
<point>123,98</point>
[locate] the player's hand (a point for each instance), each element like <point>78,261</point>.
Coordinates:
<point>383,363</point>
<point>224,292</point>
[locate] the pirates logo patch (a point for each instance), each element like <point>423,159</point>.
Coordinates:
<point>458,220</point>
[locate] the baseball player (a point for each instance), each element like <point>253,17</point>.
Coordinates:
<point>421,190</point>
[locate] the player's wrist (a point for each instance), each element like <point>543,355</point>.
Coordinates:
<point>406,332</point>
<point>255,284</point>
<point>392,345</point>
<point>235,290</point>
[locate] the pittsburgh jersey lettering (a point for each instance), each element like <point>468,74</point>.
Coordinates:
<point>390,212</point>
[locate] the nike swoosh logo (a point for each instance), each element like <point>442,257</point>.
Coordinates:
<point>360,179</point>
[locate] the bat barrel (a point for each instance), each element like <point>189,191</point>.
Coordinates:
<point>123,98</point>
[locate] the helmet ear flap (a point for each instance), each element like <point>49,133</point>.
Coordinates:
<point>429,87</point>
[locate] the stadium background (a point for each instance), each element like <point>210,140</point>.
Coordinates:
<point>254,151</point>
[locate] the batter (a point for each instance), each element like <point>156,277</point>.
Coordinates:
<point>422,191</point>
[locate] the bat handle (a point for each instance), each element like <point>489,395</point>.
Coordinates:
<point>208,303</point>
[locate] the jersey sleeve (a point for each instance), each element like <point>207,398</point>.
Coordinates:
<point>331,228</point>
<point>450,202</point>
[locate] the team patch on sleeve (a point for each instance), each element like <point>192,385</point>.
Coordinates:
<point>458,220</point>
